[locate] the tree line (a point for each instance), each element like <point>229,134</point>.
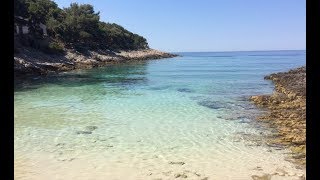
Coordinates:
<point>77,26</point>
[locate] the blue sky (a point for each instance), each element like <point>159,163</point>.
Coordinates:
<point>209,25</point>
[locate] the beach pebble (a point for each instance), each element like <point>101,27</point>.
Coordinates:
<point>263,177</point>
<point>180,175</point>
<point>179,163</point>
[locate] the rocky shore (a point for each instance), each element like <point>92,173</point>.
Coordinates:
<point>30,61</point>
<point>286,111</point>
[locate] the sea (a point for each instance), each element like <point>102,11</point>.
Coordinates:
<point>186,117</point>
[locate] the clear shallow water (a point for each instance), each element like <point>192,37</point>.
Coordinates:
<point>149,116</point>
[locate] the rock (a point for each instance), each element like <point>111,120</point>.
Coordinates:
<point>87,130</point>
<point>180,175</point>
<point>185,90</point>
<point>178,163</point>
<point>83,132</point>
<point>286,109</point>
<point>91,128</point>
<point>32,61</point>
<point>298,149</point>
<point>215,104</point>
<point>263,177</point>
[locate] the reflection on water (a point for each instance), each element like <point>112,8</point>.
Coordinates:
<point>184,117</point>
<point>117,75</point>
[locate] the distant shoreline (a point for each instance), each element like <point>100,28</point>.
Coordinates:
<point>287,111</point>
<point>238,51</point>
<point>29,61</point>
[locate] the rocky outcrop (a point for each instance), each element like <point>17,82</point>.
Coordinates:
<point>30,61</point>
<point>287,111</point>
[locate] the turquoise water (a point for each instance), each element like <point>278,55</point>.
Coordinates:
<point>146,117</point>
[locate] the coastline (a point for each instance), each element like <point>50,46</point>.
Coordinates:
<point>287,111</point>
<point>33,62</point>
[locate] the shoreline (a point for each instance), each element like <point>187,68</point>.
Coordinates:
<point>33,62</point>
<point>286,112</point>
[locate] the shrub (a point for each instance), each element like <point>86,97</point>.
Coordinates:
<point>54,47</point>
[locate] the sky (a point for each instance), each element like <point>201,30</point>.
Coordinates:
<point>208,25</point>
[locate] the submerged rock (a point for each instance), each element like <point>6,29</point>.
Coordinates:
<point>212,104</point>
<point>185,90</point>
<point>83,132</point>
<point>91,128</point>
<point>87,130</point>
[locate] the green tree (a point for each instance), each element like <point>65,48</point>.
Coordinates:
<point>81,24</point>
<point>39,11</point>
<point>77,26</point>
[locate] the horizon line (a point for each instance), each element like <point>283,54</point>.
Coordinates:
<point>237,51</point>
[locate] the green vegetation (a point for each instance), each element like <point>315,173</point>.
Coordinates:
<point>55,47</point>
<point>77,26</point>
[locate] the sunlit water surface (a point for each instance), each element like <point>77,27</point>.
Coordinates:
<point>184,117</point>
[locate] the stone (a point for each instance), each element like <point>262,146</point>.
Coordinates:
<point>180,175</point>
<point>178,163</point>
<point>185,90</point>
<point>263,177</point>
<point>298,149</point>
<point>91,128</point>
<point>214,104</point>
<point>83,132</point>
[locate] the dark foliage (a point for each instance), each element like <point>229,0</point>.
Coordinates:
<point>77,26</point>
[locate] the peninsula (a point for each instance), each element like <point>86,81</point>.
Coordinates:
<point>50,39</point>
